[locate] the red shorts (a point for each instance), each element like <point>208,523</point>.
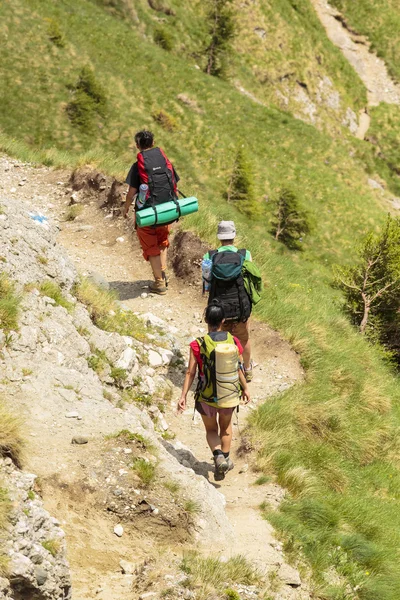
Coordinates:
<point>153,239</point>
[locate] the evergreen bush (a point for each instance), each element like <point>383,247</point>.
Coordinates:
<point>372,286</point>
<point>55,34</point>
<point>290,224</point>
<point>163,38</point>
<point>222,29</point>
<point>241,189</point>
<point>89,101</point>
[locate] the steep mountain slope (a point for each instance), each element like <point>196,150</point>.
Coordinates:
<point>333,442</point>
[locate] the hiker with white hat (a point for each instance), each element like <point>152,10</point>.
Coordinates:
<point>223,279</point>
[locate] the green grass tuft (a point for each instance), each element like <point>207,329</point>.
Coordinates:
<point>9,305</point>
<point>145,470</point>
<point>53,290</point>
<point>53,546</point>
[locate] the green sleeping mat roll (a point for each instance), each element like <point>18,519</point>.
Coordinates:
<point>166,213</point>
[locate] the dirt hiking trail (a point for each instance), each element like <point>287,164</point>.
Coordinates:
<point>98,242</point>
<point>357,50</point>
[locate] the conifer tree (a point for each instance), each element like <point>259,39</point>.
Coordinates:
<point>290,223</point>
<point>221,27</point>
<point>241,189</point>
<point>372,286</point>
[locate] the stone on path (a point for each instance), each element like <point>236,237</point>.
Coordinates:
<point>79,440</point>
<point>118,530</point>
<point>289,576</point>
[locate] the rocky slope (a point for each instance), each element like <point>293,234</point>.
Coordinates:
<point>86,429</point>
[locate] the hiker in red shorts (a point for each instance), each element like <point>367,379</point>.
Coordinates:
<point>154,169</point>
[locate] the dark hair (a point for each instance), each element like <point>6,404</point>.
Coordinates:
<point>144,139</point>
<point>214,314</point>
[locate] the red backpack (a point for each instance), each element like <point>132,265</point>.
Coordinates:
<point>156,170</point>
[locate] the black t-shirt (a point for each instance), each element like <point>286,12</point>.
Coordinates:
<point>133,179</point>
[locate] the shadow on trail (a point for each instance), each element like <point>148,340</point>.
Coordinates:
<point>128,290</point>
<point>185,457</point>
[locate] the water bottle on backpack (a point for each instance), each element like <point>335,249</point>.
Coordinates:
<point>142,195</point>
<point>206,273</point>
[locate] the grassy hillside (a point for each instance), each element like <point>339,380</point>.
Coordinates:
<point>379,20</point>
<point>280,50</point>
<point>333,442</point>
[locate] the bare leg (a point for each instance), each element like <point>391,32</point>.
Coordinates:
<point>225,431</point>
<point>155,262</point>
<point>247,354</point>
<point>213,439</point>
<point>163,256</point>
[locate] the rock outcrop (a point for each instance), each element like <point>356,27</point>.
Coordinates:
<point>46,369</point>
<point>35,545</point>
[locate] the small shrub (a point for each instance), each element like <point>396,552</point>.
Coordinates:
<point>53,290</point>
<point>73,212</point>
<point>42,259</point>
<point>290,223</point>
<point>119,375</point>
<point>55,34</point>
<point>145,470</point>
<point>26,372</point>
<point>222,30</point>
<point>241,189</point>
<point>53,546</point>
<point>163,38</point>
<point>165,120</point>
<point>31,495</point>
<point>9,305</point>
<point>168,435</point>
<point>89,101</point>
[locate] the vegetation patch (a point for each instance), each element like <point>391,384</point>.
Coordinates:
<point>9,305</point>
<point>211,575</point>
<point>105,312</point>
<point>73,212</point>
<point>54,291</point>
<point>145,470</point>
<point>89,101</point>
<point>53,546</point>
<point>11,439</point>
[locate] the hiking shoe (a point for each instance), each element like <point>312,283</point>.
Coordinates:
<point>248,373</point>
<point>158,287</point>
<point>165,278</point>
<point>230,464</point>
<point>221,464</point>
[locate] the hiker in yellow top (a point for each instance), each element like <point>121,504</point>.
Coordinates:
<point>221,385</point>
<point>223,279</point>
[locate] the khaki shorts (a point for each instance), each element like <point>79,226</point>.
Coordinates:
<point>238,329</point>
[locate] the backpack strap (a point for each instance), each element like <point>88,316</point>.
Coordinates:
<point>212,253</point>
<point>242,252</point>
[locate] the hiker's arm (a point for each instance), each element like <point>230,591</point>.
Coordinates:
<point>245,388</point>
<point>129,199</point>
<point>187,384</point>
